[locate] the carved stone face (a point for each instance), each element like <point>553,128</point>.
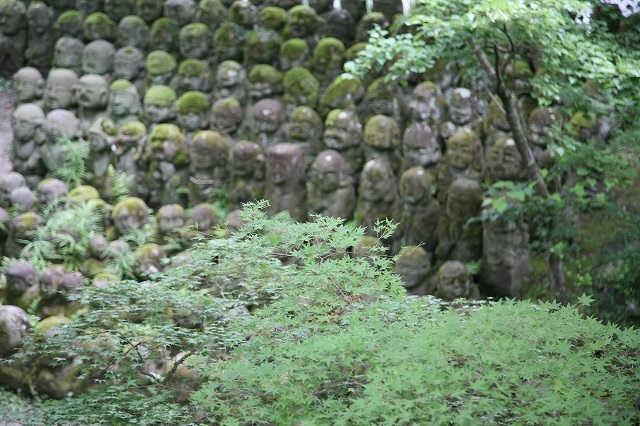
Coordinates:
<point>123,102</point>
<point>157,113</point>
<point>376,180</point>
<point>505,161</point>
<point>423,104</point>
<point>28,84</point>
<point>183,11</point>
<point>342,130</point>
<point>39,18</point>
<point>50,191</point>
<point>412,265</point>
<point>25,121</point>
<point>130,213</point>
<point>244,158</point>
<point>305,124</point>
<point>194,44</point>
<point>67,52</point>
<point>463,200</point>
<point>12,17</point>
<point>58,91</point>
<point>128,64</point>
<point>462,107</point>
<point>268,115</point>
<point>192,121</point>
<point>133,32</point>
<point>415,185</point>
<point>329,170</point>
<point>149,10</point>
<point>463,148</point>
<point>420,147</point>
<point>453,280</point>
<point>381,137</point>
<point>92,91</point>
<point>170,219</point>
<point>61,123</point>
<point>285,164</point>
<point>98,57</point>
<point>118,9</point>
<point>8,183</point>
<point>539,121</point>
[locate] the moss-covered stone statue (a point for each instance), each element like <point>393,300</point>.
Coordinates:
<point>226,116</point>
<point>243,13</point>
<point>305,128</point>
<point>414,265</point>
<point>98,26</point>
<point>376,195</point>
<point>58,123</point>
<point>426,104</point>
<point>341,24</point>
<point>50,193</point>
<point>118,9</point>
<point>420,147</point>
<point>495,125</point>
<point>124,105</point>
<point>159,105</point>
<point>70,24</point>
<point>343,132</point>
<point>26,121</point>
<point>193,112</point>
<point>182,11</point>
<point>345,92</point>
<point>231,80</point>
<point>262,47</point>
<point>264,81</point>
<point>211,13</point>
<point>285,186</point>
<point>21,284</point>
<point>40,44</point>
<point>128,64</point>
<point>21,232</point>
<point>194,41</point>
<point>265,123</point>
<point>149,10</point>
<point>464,158</point>
<point>505,162</point>
<point>161,68</point>
<point>331,191</point>
<point>273,17</point>
<point>304,22</point>
<point>129,215</point>
<point>368,22</point>
<point>453,281</point>
<point>248,164</point>
<point>208,166</point>
<point>382,140</point>
<point>539,124</point>
<point>463,113</point>
<point>100,136</point>
<point>129,146</point>
<point>228,43</point>
<point>418,211</point>
<point>133,31</point>
<point>193,74</point>
<point>294,52</point>
<point>67,53</point>
<point>163,35</point>
<point>327,60</point>
<point>149,259</point>
<point>8,182</point>
<point>384,99</point>
<point>202,222</point>
<point>170,222</point>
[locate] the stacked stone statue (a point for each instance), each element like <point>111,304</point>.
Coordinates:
<point>216,101</point>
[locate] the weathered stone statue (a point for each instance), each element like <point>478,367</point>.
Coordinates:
<point>123,105</point>
<point>14,325</point>
<point>505,162</point>
<point>495,126</point>
<point>170,220</point>
<point>21,231</point>
<point>453,281</point>
<point>300,88</point>
<point>202,223</point>
<point>100,137</point>
<point>92,94</point>
<point>208,166</point>
<point>264,81</point>
<point>67,53</point>
<point>539,122</point>
<point>343,132</point>
<point>231,80</point>
<point>13,36</point>
<point>70,24</point>
<point>98,26</point>
<point>133,32</point>
<point>457,238</point>
<point>463,113</point>
<point>149,259</point>
<point>22,200</point>
<point>194,41</point>
<point>50,193</point>
<point>98,58</point>
<point>304,23</point>
<point>383,99</point>
<point>8,182</point>
<point>128,64</point>
<point>413,266</point>
<point>40,44</point>
<point>167,160</point>
<point>418,212</point>
<point>261,47</point>
<point>28,86</point>
<point>273,17</point>
<point>164,35</point>
<point>129,146</point>
<point>193,74</point>
<point>22,284</point>
<point>211,13</point>
<point>228,40</point>
<point>193,112</point>
<point>341,24</point>
<point>427,104</point>
<point>87,7</point>
<point>58,90</point>
<point>161,68</point>
<point>129,215</point>
<point>59,123</point>
<point>464,158</point>
<point>226,116</point>
<point>118,9</point>
<point>376,195</point>
<point>265,123</point>
<point>327,60</point>
<point>149,10</point>
<point>285,186</point>
<point>305,129</point>
<point>183,11</point>
<point>344,92</point>
<point>159,105</point>
<point>420,147</point>
<point>247,174</point>
<point>382,140</point>
<point>27,121</point>
<point>331,192</point>
<point>294,52</point>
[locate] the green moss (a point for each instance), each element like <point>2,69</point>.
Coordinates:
<point>98,18</point>
<point>134,128</point>
<point>45,326</point>
<point>265,73</point>
<point>229,34</point>
<point>352,52</point>
<point>160,95</point>
<point>583,120</point>
<point>273,17</point>
<point>297,76</point>
<point>226,104</point>
<point>192,67</point>
<point>134,20</point>
<point>194,30</point>
<point>131,205</point>
<point>306,113</point>
<point>465,137</point>
<point>83,193</point>
<point>165,25</point>
<point>160,62</point>
<point>71,19</point>
<point>120,85</point>
<point>294,48</point>
<point>379,89</point>
<point>166,131</point>
<point>193,101</point>
<point>328,47</point>
<point>212,139</point>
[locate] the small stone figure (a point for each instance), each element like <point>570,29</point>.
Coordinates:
<point>167,160</point>
<point>149,259</point>
<point>264,81</point>
<point>495,126</point>
<point>87,7</point>
<point>285,186</point>
<point>228,42</point>
<point>118,9</point>
<point>128,64</point>
<point>453,281</point>
<point>464,158</point>
<point>133,32</point>
<point>13,36</point>
<point>193,41</point>
<point>14,325</point>
<point>70,24</point>
<point>382,140</point>
<point>345,92</point>
<point>193,74</point>
<point>124,104</point>
<point>201,224</point>
<point>327,60</point>
<point>149,10</point>
<point>98,26</point>
<point>420,147</point>
<point>265,122</point>
<point>343,132</point>
<point>58,90</point>
<point>226,116</point>
<point>22,199</point>
<point>129,146</point>
<point>171,220</point>
<point>183,11</point>
<point>21,232</point>
<point>457,238</point>
<point>50,194</point>
<point>161,68</point>
<point>22,284</point>
<point>128,215</point>
<point>300,88</point>
<point>383,99</point>
<point>539,122</point>
<point>505,162</point>
<point>208,166</point>
<point>59,123</point>
<point>419,213</point>
<point>27,121</point>
<point>211,13</point>
<point>427,104</point>
<point>341,24</point>
<point>92,94</point>
<point>231,80</point>
<point>28,86</point>
<point>243,13</point>
<point>193,112</point>
<point>294,53</point>
<point>100,137</point>
<point>159,105</point>
<point>413,266</point>
<point>304,23</point>
<point>331,192</point>
<point>67,53</point>
<point>261,47</point>
<point>98,58</point>
<point>376,195</point>
<point>273,17</point>
<point>463,113</point>
<point>40,44</point>
<point>9,182</point>
<point>163,36</point>
<point>247,174</point>
<point>367,23</point>
<point>305,129</point>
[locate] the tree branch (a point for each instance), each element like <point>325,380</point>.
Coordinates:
<point>484,61</point>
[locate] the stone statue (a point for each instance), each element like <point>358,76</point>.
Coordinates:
<point>129,146</point>
<point>98,58</point>
<point>70,24</point>
<point>27,121</point>
<point>193,112</point>
<point>420,147</point>
<point>123,105</point>
<point>171,220</point>
<point>413,266</point>
<point>208,166</point>
<point>67,53</point>
<point>128,64</point>
<point>343,132</point>
<point>58,90</point>
<point>341,24</point>
<point>22,284</point>
<point>226,116</point>
<point>14,326</point>
<point>100,137</point>
<point>133,32</point>
<point>331,192</point>
<point>163,35</point>
<point>243,13</point>
<point>21,232</point>
<point>294,52</point>
<point>59,123</point>
<point>285,186</point>
<point>427,104</point>
<point>264,81</point>
<point>273,17</point>
<point>119,9</point>
<point>453,281</point>
<point>247,174</point>
<point>305,129</point>
<point>202,223</point>
<point>211,13</point>
<point>13,36</point>
<point>194,41</point>
<point>304,23</point>
<point>505,162</point>
<point>149,259</point>
<point>183,11</point>
<point>22,199</point>
<point>149,10</point>
<point>98,26</point>
<point>159,105</point>
<point>28,86</point>
<point>265,122</point>
<point>382,140</point>
<point>8,182</point>
<point>92,94</point>
<point>376,195</point>
<point>495,126</point>
<point>231,80</point>
<point>327,60</point>
<point>344,92</point>
<point>464,158</point>
<point>261,47</point>
<point>228,42</point>
<point>161,68</point>
<point>367,23</point>
<point>193,74</point>
<point>129,215</point>
<point>383,99</point>
<point>418,213</point>
<point>40,44</point>
<point>50,193</point>
<point>300,88</point>
<point>463,113</point>
<point>539,122</point>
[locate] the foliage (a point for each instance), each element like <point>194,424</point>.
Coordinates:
<point>278,324</point>
<point>74,154</point>
<point>120,183</point>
